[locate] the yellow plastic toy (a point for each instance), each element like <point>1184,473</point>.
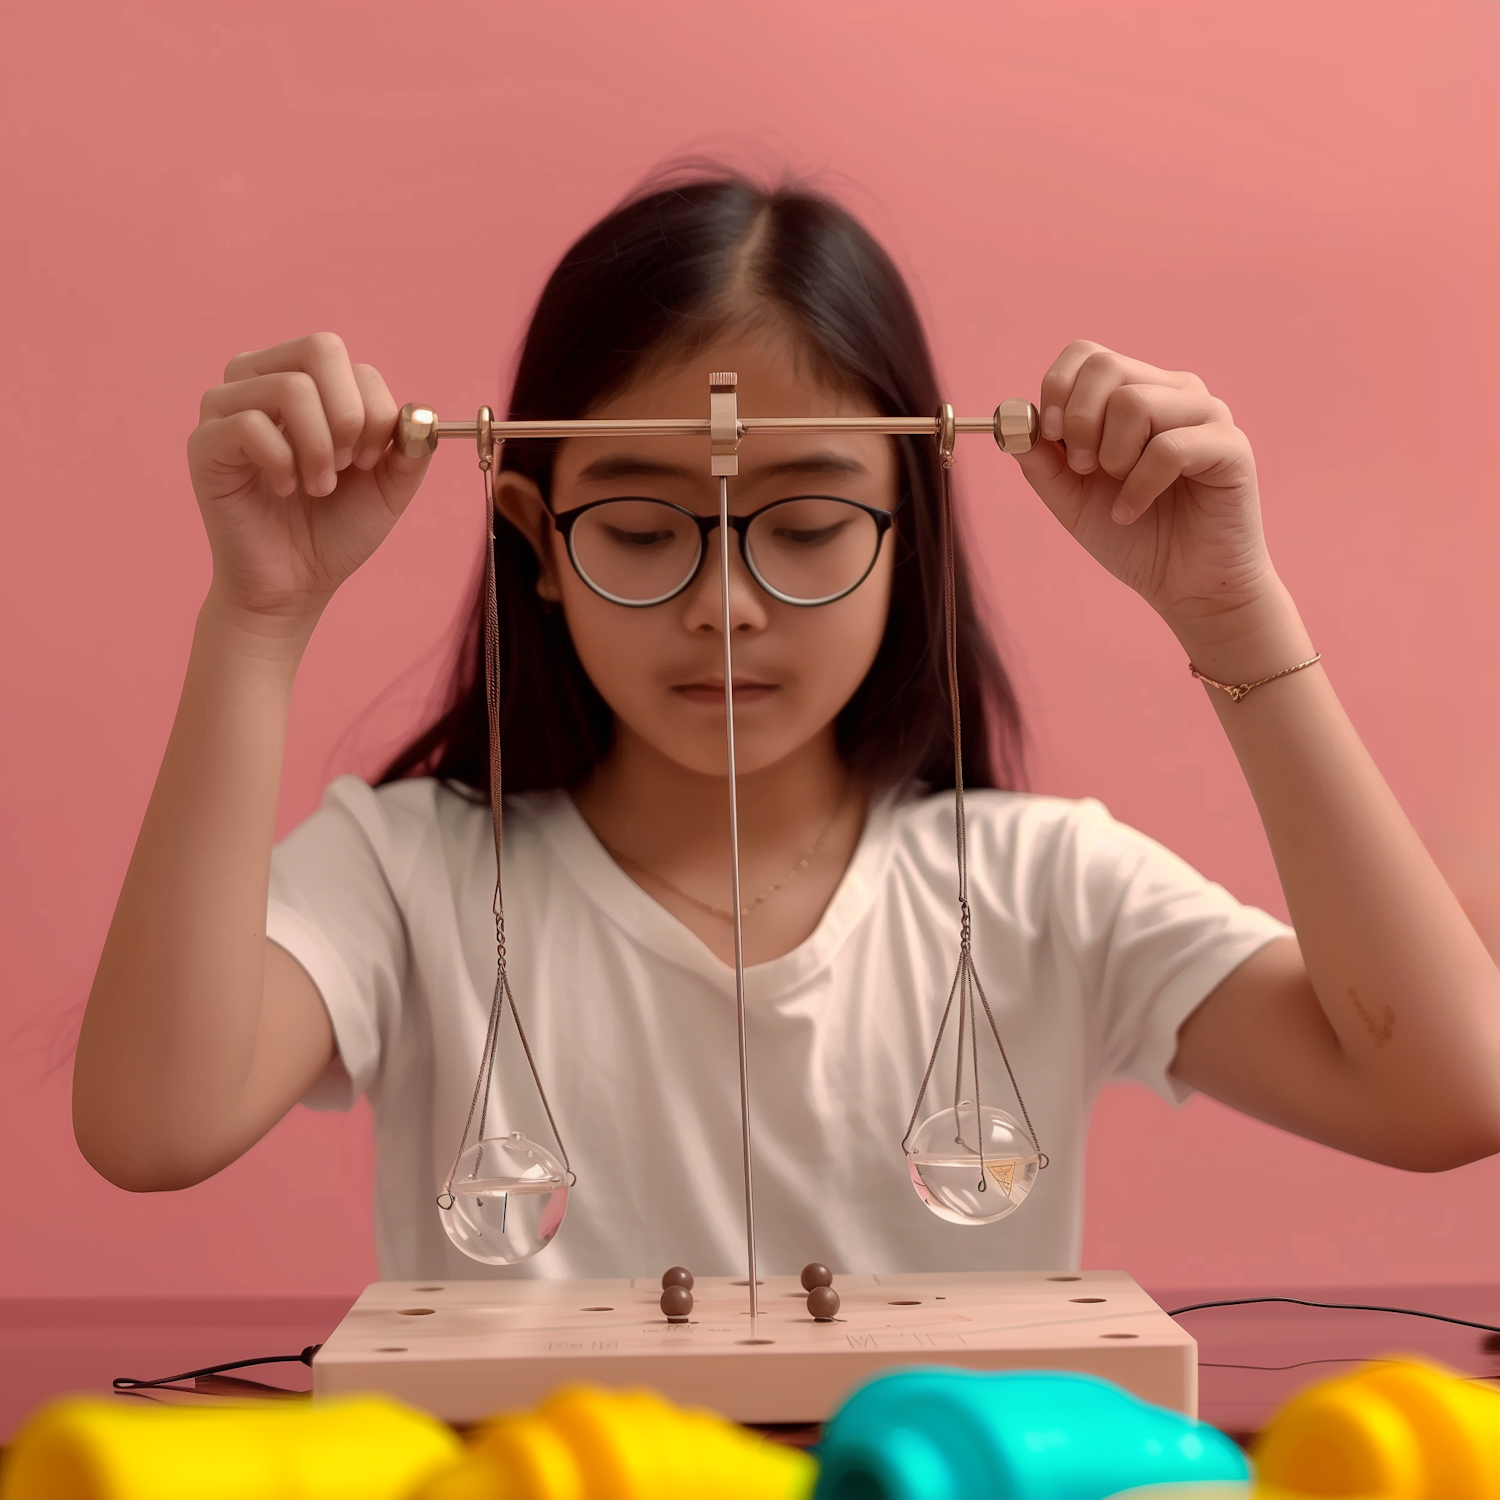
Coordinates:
<point>1393,1430</point>
<point>587,1443</point>
<point>359,1448</point>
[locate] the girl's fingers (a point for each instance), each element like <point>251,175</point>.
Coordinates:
<point>293,400</point>
<point>1181,452</point>
<point>1100,370</point>
<point>1137,413</point>
<point>244,439</point>
<point>1099,378</point>
<point>321,356</point>
<point>380,417</point>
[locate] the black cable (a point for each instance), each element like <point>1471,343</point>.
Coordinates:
<point>1336,1359</point>
<point>125,1383</point>
<point>1340,1359</point>
<point>1405,1312</point>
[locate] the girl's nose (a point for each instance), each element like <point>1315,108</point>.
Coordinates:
<point>703,602</point>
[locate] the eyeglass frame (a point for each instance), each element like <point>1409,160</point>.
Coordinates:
<point>565,522</point>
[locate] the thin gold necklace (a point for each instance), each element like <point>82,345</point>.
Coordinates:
<point>721,912</point>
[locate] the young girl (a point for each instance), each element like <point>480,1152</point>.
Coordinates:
<point>1374,1027</point>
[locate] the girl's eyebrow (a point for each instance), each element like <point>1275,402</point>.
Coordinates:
<point>811,463</point>
<point>631,466</point>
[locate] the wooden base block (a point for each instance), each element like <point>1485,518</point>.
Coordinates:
<point>466,1349</point>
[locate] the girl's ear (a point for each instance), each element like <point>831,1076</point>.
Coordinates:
<point>518,499</point>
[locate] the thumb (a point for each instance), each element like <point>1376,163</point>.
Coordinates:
<point>1045,466</point>
<point>403,465</point>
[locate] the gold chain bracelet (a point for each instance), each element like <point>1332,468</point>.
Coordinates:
<point>1238,690</point>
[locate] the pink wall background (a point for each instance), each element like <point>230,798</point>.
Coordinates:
<point>1296,199</point>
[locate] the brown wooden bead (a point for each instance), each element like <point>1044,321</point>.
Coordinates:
<point>823,1303</point>
<point>677,1276</point>
<point>816,1274</point>
<point>677,1303</point>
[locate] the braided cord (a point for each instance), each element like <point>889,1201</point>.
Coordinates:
<point>479,1102</point>
<point>966,985</point>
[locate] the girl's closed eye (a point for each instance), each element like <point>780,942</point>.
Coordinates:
<point>640,539</point>
<point>791,535</point>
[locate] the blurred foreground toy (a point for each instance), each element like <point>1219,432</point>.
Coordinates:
<point>358,1448</point>
<point>941,1434</point>
<point>587,1443</point>
<point>1393,1430</point>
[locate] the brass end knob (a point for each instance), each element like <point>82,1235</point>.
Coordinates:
<point>1016,425</point>
<point>416,432</point>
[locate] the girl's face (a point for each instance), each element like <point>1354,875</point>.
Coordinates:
<point>661,668</point>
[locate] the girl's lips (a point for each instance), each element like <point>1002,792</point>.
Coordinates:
<point>713,692</point>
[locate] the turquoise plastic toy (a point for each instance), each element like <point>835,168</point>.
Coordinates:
<point>939,1434</point>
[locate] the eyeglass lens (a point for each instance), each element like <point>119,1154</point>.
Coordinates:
<point>807,549</point>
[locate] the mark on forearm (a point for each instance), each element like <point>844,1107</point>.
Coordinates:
<point>1381,1031</point>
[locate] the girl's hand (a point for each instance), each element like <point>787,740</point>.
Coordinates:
<point>1148,471</point>
<point>296,478</point>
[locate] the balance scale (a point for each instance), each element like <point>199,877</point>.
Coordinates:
<point>750,1348</point>
<point>464,1350</point>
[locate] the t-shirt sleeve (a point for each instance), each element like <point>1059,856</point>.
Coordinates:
<point>1155,937</point>
<point>333,908</point>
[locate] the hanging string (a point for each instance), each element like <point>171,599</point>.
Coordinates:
<point>966,984</point>
<point>479,1103</point>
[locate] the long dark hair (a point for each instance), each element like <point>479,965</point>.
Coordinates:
<point>662,275</point>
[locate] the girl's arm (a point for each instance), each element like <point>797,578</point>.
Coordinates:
<point>1378,1030</point>
<point>200,1034</point>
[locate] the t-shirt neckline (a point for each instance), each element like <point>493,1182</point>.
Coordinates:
<point>646,922</point>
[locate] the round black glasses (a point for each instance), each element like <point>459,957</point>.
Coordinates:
<point>805,550</point>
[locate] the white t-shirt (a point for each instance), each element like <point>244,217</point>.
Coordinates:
<point>1093,944</point>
